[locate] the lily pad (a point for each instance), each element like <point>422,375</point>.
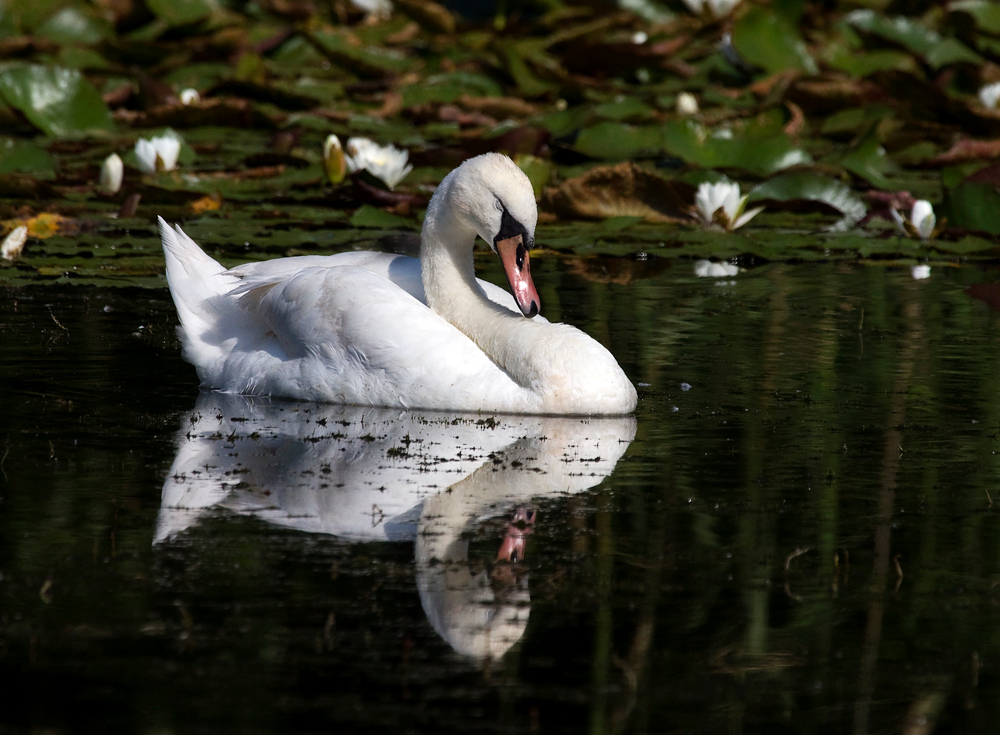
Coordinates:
<point>766,39</point>
<point>18,155</point>
<point>803,185</point>
<point>368,216</point>
<point>973,206</point>
<point>58,101</point>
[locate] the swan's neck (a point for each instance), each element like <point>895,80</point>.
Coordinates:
<point>449,279</point>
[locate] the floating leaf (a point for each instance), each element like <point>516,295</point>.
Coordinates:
<point>986,13</point>
<point>973,206</point>
<point>868,160</point>
<point>803,185</point>
<point>911,34</point>
<point>73,25</point>
<point>625,190</point>
<point>618,141</point>
<point>368,216</point>
<point>759,149</point>
<point>44,225</point>
<point>58,101</point>
<point>180,12</point>
<point>17,155</point>
<point>768,40</point>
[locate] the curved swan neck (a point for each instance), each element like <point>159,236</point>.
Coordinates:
<point>452,291</point>
<point>446,265</point>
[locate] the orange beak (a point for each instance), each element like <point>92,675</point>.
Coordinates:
<point>514,257</point>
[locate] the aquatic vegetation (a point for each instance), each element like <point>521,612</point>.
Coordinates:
<point>157,154</point>
<point>112,172</point>
<point>385,162</point>
<point>13,244</point>
<point>720,205</point>
<point>921,222</point>
<point>713,8</point>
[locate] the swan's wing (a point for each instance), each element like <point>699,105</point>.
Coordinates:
<point>402,270</point>
<point>348,335</point>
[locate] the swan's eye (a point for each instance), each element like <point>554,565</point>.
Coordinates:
<point>498,205</point>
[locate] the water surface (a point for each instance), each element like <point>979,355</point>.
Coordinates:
<point>799,530</point>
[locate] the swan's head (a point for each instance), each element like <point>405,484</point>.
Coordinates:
<point>496,199</point>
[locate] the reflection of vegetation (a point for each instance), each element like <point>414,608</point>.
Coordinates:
<point>810,106</point>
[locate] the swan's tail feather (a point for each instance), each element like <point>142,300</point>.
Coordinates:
<point>198,284</point>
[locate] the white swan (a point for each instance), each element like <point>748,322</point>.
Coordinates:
<point>388,330</point>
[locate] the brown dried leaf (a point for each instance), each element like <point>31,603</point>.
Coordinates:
<point>624,190</point>
<point>967,150</point>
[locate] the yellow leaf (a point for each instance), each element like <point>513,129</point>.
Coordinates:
<point>208,203</point>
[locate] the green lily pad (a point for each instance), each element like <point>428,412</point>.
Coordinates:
<point>180,12</point>
<point>974,206</point>
<point>758,149</point>
<point>869,161</point>
<point>986,13</point>
<point>58,101</point>
<point>911,34</point>
<point>73,25</point>
<point>615,141</point>
<point>816,188</point>
<point>770,41</point>
<point>21,156</point>
<point>368,216</point>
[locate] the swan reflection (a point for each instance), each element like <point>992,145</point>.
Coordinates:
<point>368,474</point>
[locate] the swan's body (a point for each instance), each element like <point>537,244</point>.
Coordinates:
<point>388,330</point>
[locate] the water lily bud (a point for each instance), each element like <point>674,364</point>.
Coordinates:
<point>13,244</point>
<point>112,171</point>
<point>639,38</point>
<point>990,95</point>
<point>920,272</point>
<point>333,159</point>
<point>687,104</point>
<point>190,96</point>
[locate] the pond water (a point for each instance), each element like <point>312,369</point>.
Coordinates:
<point>799,530</point>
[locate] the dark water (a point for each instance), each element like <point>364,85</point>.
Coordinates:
<point>799,532</point>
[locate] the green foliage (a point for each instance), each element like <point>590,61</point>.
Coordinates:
<point>59,102</point>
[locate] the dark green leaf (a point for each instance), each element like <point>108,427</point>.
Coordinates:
<point>974,206</point>
<point>58,101</point>
<point>368,216</point>
<point>769,41</point>
<point>180,12</point>
<point>16,155</point>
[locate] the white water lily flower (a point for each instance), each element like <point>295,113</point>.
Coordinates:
<point>190,96</point>
<point>920,272</point>
<point>112,171</point>
<point>921,223</point>
<point>720,205</point>
<point>717,8</point>
<point>687,104</point>
<point>13,244</point>
<point>385,162</point>
<point>990,95</point>
<point>334,160</point>
<point>377,8</point>
<point>158,154</point>
<point>708,269</point>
